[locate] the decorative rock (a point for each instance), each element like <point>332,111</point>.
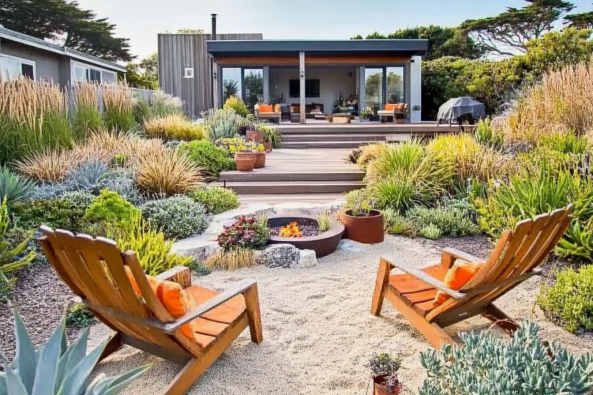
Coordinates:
<point>349,246</point>
<point>281,255</point>
<point>307,258</point>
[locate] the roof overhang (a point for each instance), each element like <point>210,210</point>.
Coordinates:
<point>65,51</point>
<point>321,47</point>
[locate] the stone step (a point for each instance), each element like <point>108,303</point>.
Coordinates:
<point>333,137</point>
<point>324,144</point>
<point>255,176</point>
<point>293,187</point>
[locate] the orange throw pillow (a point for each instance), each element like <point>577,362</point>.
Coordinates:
<point>265,108</point>
<point>155,284</point>
<point>390,107</point>
<point>178,303</point>
<point>457,276</point>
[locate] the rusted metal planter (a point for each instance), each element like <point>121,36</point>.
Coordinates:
<point>364,229</point>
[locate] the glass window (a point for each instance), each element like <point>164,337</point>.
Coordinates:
<point>81,73</point>
<point>231,83</point>
<point>95,75</point>
<point>373,90</point>
<point>11,68</point>
<point>395,85</point>
<point>254,87</point>
<point>109,78</point>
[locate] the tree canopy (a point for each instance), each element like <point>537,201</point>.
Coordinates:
<point>442,41</point>
<point>144,74</point>
<point>65,23</point>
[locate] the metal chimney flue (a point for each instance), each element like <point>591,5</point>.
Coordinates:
<point>213,27</point>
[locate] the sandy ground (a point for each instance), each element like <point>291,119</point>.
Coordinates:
<point>318,332</point>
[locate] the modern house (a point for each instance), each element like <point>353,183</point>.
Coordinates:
<point>23,55</point>
<point>307,75</point>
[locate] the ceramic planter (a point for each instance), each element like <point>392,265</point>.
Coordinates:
<point>255,135</point>
<point>364,229</point>
<point>245,160</point>
<point>268,147</point>
<point>260,160</point>
<point>379,386</point>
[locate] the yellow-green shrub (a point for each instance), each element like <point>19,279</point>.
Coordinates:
<point>173,127</point>
<point>236,104</point>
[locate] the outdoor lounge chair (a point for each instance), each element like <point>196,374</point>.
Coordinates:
<point>268,111</point>
<point>399,112</point>
<point>514,259</point>
<point>110,284</point>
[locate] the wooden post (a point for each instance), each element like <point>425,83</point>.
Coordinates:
<point>302,90</point>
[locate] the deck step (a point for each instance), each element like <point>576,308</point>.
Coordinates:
<point>293,187</point>
<point>255,176</point>
<point>319,198</point>
<point>333,137</point>
<point>324,144</point>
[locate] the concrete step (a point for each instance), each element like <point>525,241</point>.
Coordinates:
<point>324,144</point>
<point>382,129</point>
<point>281,176</point>
<point>319,198</point>
<point>293,187</point>
<point>333,137</point>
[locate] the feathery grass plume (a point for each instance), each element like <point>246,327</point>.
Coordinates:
<point>118,108</point>
<point>173,127</point>
<point>33,117</point>
<point>47,165</point>
<point>87,117</point>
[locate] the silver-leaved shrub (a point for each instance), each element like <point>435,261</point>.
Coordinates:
<point>177,217</point>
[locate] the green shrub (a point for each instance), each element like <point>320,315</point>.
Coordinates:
<point>79,316</point>
<point>396,224</point>
<point>177,217</point>
<point>111,210</point>
<point>198,268</point>
<point>245,233</point>
<point>566,143</point>
<point>55,368</point>
<point>569,299</point>
<point>67,212</point>
<point>86,119</point>
<point>486,136</point>
<point>325,220</point>
<point>395,193</point>
<point>430,231</point>
<point>488,365</point>
<point>271,134</point>
<point>216,199</point>
<point>451,221</point>
<point>222,123</point>
<point>158,105</point>
<point>211,159</point>
<point>12,256</point>
<point>151,247</point>
<point>13,187</point>
<point>236,104</point>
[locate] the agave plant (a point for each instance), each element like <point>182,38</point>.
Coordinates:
<point>13,187</point>
<point>87,176</point>
<point>56,368</point>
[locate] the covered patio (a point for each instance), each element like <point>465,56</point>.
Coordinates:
<point>304,81</point>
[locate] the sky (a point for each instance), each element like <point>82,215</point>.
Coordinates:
<point>142,20</point>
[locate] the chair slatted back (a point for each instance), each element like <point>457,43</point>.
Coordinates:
<point>94,270</point>
<point>517,253</point>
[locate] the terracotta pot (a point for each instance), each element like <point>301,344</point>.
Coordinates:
<point>260,160</point>
<point>379,386</point>
<point>245,160</point>
<point>268,147</point>
<point>368,229</point>
<point>254,135</point>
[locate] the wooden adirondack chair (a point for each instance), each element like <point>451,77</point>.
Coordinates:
<point>94,270</point>
<point>514,259</point>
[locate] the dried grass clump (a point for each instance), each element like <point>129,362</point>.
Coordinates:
<point>369,152</point>
<point>118,107</point>
<point>166,172</point>
<point>173,127</point>
<point>231,260</point>
<point>87,117</point>
<point>48,165</point>
<point>562,102</point>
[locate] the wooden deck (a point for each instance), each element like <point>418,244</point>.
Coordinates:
<point>298,171</point>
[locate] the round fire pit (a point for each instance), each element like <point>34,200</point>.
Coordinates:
<point>323,244</point>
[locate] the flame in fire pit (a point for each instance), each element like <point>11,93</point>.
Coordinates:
<point>291,230</point>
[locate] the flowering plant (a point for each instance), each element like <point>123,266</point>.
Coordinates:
<point>250,233</point>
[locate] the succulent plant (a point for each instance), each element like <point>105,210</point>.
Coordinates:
<point>487,365</point>
<point>14,187</point>
<point>223,123</point>
<point>56,368</point>
<point>87,176</point>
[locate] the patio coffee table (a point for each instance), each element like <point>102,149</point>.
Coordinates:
<point>342,118</point>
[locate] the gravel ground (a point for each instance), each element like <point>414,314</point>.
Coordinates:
<point>318,332</point>
<point>41,299</point>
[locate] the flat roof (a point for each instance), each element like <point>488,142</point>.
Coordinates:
<point>246,47</point>
<point>25,39</point>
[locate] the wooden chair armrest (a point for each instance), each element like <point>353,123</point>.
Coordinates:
<point>216,301</point>
<point>425,278</point>
<point>450,255</point>
<point>179,274</point>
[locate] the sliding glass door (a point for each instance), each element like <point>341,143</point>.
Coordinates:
<point>373,88</point>
<point>253,80</point>
<point>395,85</point>
<point>231,83</point>
<point>384,85</point>
<point>246,83</point>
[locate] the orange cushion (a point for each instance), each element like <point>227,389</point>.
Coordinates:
<point>456,277</point>
<point>390,107</point>
<point>265,108</point>
<point>178,303</point>
<point>155,284</point>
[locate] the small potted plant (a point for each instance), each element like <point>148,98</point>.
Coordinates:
<point>260,156</point>
<point>366,114</point>
<point>253,134</point>
<point>385,380</point>
<point>245,157</point>
<point>363,223</point>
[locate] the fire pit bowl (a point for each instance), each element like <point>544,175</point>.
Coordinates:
<point>323,244</point>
